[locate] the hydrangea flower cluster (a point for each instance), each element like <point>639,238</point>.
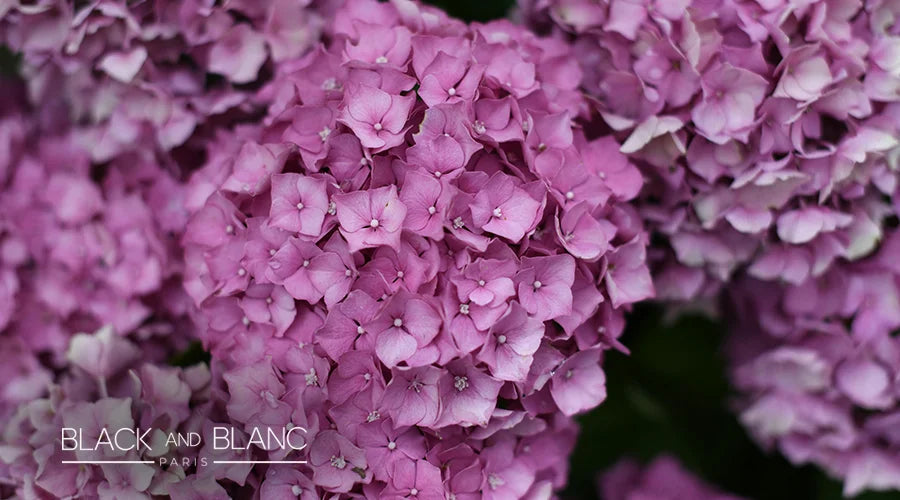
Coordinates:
<point>81,246</point>
<point>663,479</point>
<point>153,74</point>
<point>767,130</point>
<point>113,103</point>
<point>106,386</point>
<point>419,257</point>
<point>817,368</point>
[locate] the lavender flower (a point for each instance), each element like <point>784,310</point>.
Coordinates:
<point>663,479</point>
<point>766,131</point>
<point>816,365</point>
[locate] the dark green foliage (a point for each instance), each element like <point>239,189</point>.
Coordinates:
<point>191,356</point>
<point>671,396</point>
<point>9,62</point>
<point>475,10</point>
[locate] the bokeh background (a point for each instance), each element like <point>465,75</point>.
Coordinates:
<point>671,396</point>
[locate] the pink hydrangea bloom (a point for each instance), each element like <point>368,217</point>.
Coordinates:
<point>767,134</point>
<point>662,479</point>
<point>425,228</point>
<point>816,362</point>
<point>124,393</point>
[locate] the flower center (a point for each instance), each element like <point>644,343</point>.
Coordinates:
<point>495,481</point>
<point>481,282</point>
<point>324,133</point>
<point>300,206</point>
<point>458,223</point>
<point>464,308</point>
<point>498,213</point>
<point>451,91</point>
<point>501,339</point>
<point>381,60</point>
<point>269,398</point>
<point>338,462</point>
<point>392,445</point>
<point>432,209</point>
<point>360,330</point>
<point>229,229</point>
<point>373,416</point>
<point>570,195</point>
<point>311,377</point>
<point>378,127</point>
<point>537,284</point>
<point>461,383</point>
<point>374,223</point>
<point>296,490</point>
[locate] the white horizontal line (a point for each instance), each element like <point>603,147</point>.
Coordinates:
<point>259,461</point>
<point>93,462</point>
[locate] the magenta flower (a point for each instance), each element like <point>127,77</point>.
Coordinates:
<point>255,393</point>
<point>504,475</point>
<point>299,204</point>
<point>388,447</point>
<point>292,267</point>
<point>254,166</point>
<point>426,203</point>
<point>371,218</point>
<point>468,395</point>
<point>412,397</point>
<point>337,464</point>
<point>512,342</point>
<point>662,479</point>
<point>348,326</point>
<point>403,329</point>
<point>505,209</point>
<point>486,282</point>
<point>731,96</point>
<point>419,479</point>
<point>581,234</point>
<point>102,353</point>
<point>239,54</point>
<point>805,75</point>
<point>376,117</point>
<point>579,384</point>
<point>443,144</point>
<point>545,286</point>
